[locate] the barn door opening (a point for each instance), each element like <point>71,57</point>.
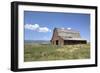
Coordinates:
<point>56,42</point>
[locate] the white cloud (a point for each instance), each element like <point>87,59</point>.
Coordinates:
<point>31,27</point>
<point>69,28</point>
<point>44,29</point>
<point>37,28</point>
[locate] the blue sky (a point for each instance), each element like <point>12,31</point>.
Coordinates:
<point>40,25</point>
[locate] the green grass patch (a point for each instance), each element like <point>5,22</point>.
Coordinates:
<point>38,52</point>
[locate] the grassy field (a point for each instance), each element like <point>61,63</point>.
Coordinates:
<point>37,52</point>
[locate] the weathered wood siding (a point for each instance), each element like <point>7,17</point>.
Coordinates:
<point>54,37</point>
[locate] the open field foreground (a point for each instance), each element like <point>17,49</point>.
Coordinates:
<point>40,52</point>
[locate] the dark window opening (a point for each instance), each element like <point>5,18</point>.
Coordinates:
<point>56,42</point>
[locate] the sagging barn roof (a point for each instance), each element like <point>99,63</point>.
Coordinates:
<point>68,34</point>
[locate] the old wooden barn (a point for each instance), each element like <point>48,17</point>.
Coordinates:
<point>62,36</point>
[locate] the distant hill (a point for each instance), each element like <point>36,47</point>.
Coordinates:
<point>36,41</point>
